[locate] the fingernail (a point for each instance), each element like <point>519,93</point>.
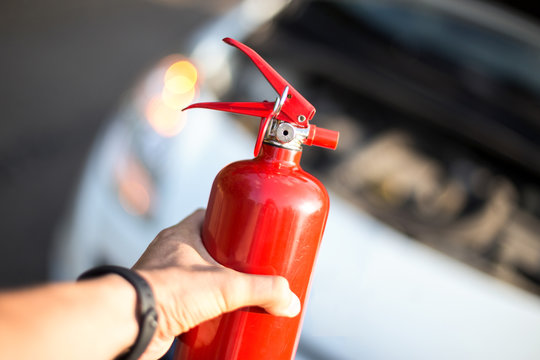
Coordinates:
<point>294,307</point>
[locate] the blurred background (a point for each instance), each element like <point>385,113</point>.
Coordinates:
<point>433,233</point>
<point>65,66</point>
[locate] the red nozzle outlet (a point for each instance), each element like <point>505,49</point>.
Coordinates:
<point>322,137</point>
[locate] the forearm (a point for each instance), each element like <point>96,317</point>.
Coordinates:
<point>93,319</point>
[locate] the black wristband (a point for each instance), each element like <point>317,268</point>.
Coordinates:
<point>146,306</point>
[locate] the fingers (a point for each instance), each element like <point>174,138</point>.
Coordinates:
<point>187,230</point>
<point>194,221</point>
<point>275,296</point>
<point>190,227</point>
<point>163,249</point>
<point>190,230</point>
<point>269,292</point>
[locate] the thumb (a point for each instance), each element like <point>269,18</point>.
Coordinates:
<point>269,292</point>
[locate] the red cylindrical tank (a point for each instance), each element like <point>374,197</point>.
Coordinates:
<point>265,216</point>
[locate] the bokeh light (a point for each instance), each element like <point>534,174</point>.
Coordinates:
<point>179,84</point>
<point>166,120</point>
<point>177,90</point>
<point>181,77</point>
<point>135,190</point>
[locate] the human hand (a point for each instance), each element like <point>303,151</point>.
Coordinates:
<point>191,287</point>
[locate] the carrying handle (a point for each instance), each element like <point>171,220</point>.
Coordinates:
<point>290,106</point>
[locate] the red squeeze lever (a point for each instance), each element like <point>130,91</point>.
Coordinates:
<point>290,106</point>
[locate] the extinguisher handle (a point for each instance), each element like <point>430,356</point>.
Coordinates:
<point>259,109</point>
<point>296,105</point>
<point>290,106</point>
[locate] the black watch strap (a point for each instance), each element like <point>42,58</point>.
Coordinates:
<point>146,306</point>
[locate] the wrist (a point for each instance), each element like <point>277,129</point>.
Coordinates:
<point>146,315</point>
<point>124,299</point>
<point>160,282</point>
<point>114,303</point>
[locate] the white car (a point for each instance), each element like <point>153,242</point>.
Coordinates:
<point>376,294</point>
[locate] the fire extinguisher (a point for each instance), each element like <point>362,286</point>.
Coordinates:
<point>264,216</point>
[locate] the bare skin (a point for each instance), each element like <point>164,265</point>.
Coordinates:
<point>95,319</point>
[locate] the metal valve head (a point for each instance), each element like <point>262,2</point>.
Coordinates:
<point>290,106</point>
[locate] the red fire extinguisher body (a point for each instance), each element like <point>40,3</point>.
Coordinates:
<point>265,216</point>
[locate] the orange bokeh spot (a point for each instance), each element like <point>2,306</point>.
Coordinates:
<point>164,119</point>
<point>175,100</point>
<point>180,77</point>
<point>134,188</point>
